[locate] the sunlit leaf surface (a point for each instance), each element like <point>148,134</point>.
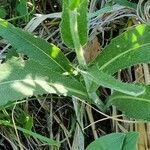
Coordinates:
<point>130,48</point>
<point>20,79</point>
<point>35,48</point>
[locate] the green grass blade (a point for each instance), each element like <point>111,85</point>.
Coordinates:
<point>33,134</point>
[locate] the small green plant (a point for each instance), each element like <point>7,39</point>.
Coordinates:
<point>47,70</point>
<point>2,12</point>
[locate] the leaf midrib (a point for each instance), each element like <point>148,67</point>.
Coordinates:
<point>36,47</point>
<point>35,80</point>
<point>129,97</point>
<point>119,82</point>
<point>116,57</point>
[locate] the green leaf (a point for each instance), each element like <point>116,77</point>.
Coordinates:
<point>25,120</point>
<point>128,49</point>
<point>81,8</point>
<point>44,139</point>
<point>20,79</point>
<point>74,4</point>
<point>130,141</point>
<point>22,7</point>
<point>132,106</point>
<point>35,48</point>
<point>115,141</point>
<point>11,52</point>
<point>108,142</point>
<point>106,80</point>
<point>2,12</point>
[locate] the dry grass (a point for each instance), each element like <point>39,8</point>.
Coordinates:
<point>58,117</point>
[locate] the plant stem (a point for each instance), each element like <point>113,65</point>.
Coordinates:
<point>78,143</point>
<point>75,37</point>
<point>80,55</point>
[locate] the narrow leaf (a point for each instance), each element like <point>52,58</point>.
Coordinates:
<point>33,134</point>
<point>106,80</point>
<point>74,4</point>
<point>42,138</point>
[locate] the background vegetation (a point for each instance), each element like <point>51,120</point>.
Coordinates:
<point>26,124</point>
